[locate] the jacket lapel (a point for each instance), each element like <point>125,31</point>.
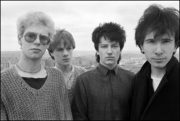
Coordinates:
<point>163,82</point>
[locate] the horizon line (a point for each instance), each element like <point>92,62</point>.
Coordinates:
<point>136,50</point>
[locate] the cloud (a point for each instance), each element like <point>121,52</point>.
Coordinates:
<point>78,17</point>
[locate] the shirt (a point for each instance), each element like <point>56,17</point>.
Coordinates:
<point>156,82</point>
<point>36,83</point>
<point>101,94</point>
<point>41,74</point>
<point>35,80</point>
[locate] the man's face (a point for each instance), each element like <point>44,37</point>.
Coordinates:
<point>63,55</point>
<point>109,52</point>
<point>159,50</point>
<point>30,42</point>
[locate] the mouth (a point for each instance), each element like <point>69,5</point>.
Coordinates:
<point>158,59</point>
<point>110,57</point>
<point>66,59</point>
<point>36,49</point>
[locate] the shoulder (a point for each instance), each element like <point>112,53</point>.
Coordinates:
<point>142,75</point>
<point>54,73</point>
<point>87,79</point>
<point>174,64</point>
<point>7,72</point>
<point>87,75</point>
<point>144,70</point>
<point>173,69</point>
<point>8,78</point>
<point>125,72</point>
<point>79,69</point>
<point>53,70</point>
<point>56,76</point>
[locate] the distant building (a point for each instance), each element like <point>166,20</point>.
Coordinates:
<point>5,64</point>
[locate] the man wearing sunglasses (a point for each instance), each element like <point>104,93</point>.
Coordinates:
<point>30,91</point>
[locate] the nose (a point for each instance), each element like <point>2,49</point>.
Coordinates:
<point>37,40</point>
<point>158,49</point>
<point>65,53</point>
<point>109,51</point>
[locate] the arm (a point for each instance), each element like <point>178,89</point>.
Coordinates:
<point>79,102</point>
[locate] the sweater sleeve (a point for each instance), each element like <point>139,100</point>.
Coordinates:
<point>3,112</point>
<point>79,102</point>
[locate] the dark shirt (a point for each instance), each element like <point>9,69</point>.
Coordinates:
<point>102,94</point>
<point>35,83</point>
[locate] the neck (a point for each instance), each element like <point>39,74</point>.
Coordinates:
<point>110,67</point>
<point>64,68</point>
<point>158,72</point>
<point>28,65</point>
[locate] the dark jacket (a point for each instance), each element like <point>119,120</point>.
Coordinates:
<point>101,94</point>
<point>164,103</point>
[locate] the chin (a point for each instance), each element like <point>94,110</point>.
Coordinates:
<point>36,58</point>
<point>160,66</point>
<point>110,63</point>
<point>66,64</point>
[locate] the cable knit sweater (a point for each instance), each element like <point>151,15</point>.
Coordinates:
<point>19,101</point>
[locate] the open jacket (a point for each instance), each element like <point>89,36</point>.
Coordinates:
<point>164,103</point>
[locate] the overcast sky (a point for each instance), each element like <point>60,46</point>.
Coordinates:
<point>78,17</point>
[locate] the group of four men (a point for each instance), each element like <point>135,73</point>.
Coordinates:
<point>30,91</point>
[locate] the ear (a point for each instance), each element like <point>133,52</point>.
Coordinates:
<point>19,40</point>
<point>175,49</point>
<point>48,46</point>
<point>142,49</point>
<point>97,52</point>
<point>52,55</point>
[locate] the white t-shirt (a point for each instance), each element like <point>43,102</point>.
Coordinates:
<point>41,74</point>
<point>156,82</point>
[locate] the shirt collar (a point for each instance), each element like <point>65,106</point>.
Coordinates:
<point>104,70</point>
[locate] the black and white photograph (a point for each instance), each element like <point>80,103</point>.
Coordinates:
<point>90,60</point>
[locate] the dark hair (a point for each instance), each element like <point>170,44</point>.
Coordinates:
<point>61,37</point>
<point>158,19</point>
<point>111,31</point>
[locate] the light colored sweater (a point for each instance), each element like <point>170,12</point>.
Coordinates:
<point>77,70</point>
<point>19,101</point>
<point>71,81</point>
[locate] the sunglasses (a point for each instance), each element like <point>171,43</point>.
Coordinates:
<point>30,37</point>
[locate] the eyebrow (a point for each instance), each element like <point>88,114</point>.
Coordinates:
<point>103,44</point>
<point>64,47</point>
<point>160,39</point>
<point>149,39</point>
<point>167,39</point>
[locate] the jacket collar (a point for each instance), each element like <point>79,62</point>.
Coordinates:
<point>104,70</point>
<point>146,68</point>
<point>146,71</point>
<point>171,65</point>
